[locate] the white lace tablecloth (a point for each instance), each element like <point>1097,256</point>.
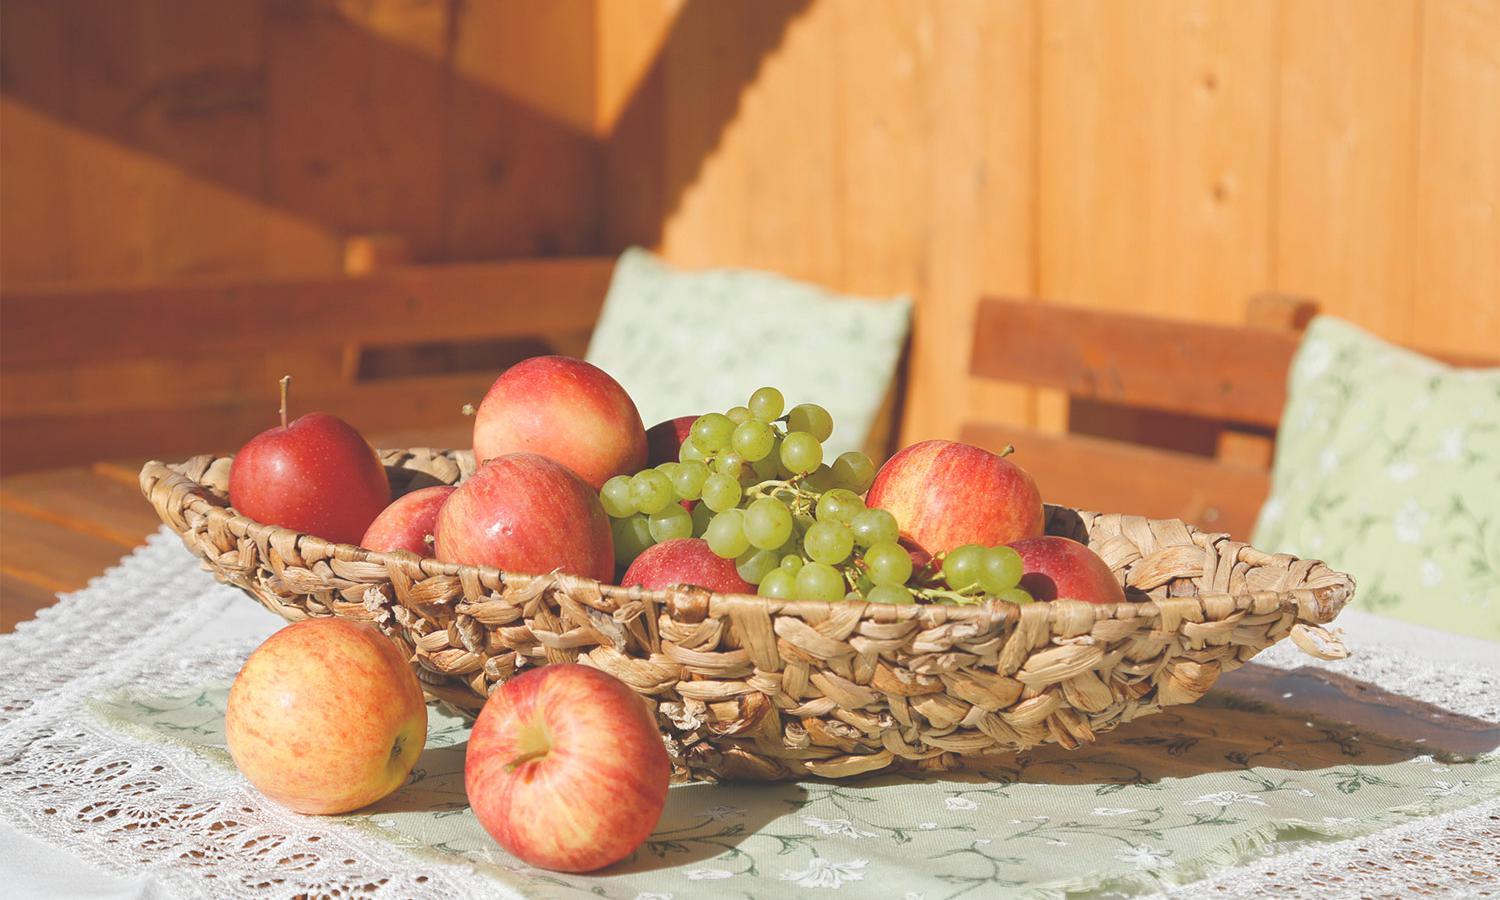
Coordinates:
<point>87,810</point>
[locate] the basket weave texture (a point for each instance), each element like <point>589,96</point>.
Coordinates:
<point>751,687</point>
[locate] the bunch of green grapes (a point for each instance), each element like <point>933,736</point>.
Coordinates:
<point>973,572</point>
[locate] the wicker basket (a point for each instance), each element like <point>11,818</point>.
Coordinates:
<point>750,687</point>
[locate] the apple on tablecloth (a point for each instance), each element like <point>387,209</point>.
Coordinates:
<point>566,769</point>
<point>326,717</point>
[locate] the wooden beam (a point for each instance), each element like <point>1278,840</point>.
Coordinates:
<point>1110,476</point>
<point>50,327</point>
<point>1236,373</point>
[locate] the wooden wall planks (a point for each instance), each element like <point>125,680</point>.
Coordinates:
<point>1169,157</point>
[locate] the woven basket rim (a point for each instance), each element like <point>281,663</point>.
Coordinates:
<point>1313,606</point>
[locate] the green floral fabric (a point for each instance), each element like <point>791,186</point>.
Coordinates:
<point>686,343</point>
<point>1388,467</point>
<point>1162,801</point>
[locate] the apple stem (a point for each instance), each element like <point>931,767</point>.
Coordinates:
<point>1009,449</point>
<point>286,382</point>
<point>525,758</point>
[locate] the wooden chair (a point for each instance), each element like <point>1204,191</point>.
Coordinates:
<point>1164,388</point>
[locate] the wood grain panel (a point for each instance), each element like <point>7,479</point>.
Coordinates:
<point>34,231</point>
<point>1457,292</point>
<point>1346,158</point>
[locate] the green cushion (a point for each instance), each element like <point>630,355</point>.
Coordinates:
<point>686,343</point>
<point>1388,467</point>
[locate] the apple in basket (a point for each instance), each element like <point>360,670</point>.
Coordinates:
<point>1058,567</point>
<point>685,561</point>
<point>408,523</point>
<point>326,717</point>
<point>946,494</point>
<point>565,409</point>
<point>316,475</point>
<point>664,439</point>
<point>526,513</point>
<point>566,769</point>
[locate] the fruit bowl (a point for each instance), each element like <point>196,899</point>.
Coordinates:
<point>748,687</point>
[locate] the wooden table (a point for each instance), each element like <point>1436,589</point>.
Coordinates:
<point>61,527</point>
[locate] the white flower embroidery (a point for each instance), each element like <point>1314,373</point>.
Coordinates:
<point>981,842</point>
<point>1112,811</point>
<point>1057,843</point>
<point>1444,789</point>
<point>1430,573</point>
<point>836,826</point>
<point>1304,792</point>
<point>1328,460</point>
<point>1334,820</point>
<point>1226,798</point>
<point>1451,444</point>
<point>1424,760</point>
<point>706,874</point>
<point>927,826</point>
<point>1409,522</point>
<point>822,873</point>
<point>1401,471</point>
<point>957,803</point>
<point>717,813</point>
<point>1271,512</point>
<point>1146,857</point>
<point>913,895</point>
<point>1314,359</point>
<point>650,895</point>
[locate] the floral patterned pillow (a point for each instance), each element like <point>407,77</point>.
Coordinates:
<point>686,343</point>
<point>1388,467</point>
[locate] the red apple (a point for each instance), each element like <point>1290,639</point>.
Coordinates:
<point>946,494</point>
<point>1058,567</point>
<point>326,717</point>
<point>685,561</point>
<point>526,513</point>
<point>664,439</point>
<point>566,769</point>
<point>406,524</point>
<point>565,409</point>
<point>316,475</point>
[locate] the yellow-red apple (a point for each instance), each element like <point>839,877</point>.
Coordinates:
<point>1058,567</point>
<point>566,769</point>
<point>326,717</point>
<point>526,513</point>
<point>564,409</point>
<point>945,494</point>
<point>407,523</point>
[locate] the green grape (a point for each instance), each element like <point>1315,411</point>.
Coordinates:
<point>689,452</point>
<point>702,515</point>
<point>792,562</point>
<point>768,523</point>
<point>839,505</point>
<point>731,464</point>
<point>711,432</point>
<point>632,535</point>
<point>726,534</point>
<point>753,565</point>
<point>688,479</point>
<point>1000,569</point>
<point>874,526</point>
<point>890,593</point>
<point>672,522</point>
<point>766,404</point>
<point>800,452</point>
<point>1015,595</point>
<point>668,469</point>
<point>819,480</point>
<point>811,418</point>
<point>778,583</point>
<point>721,492</point>
<point>652,491</point>
<point>817,581</point>
<point>888,563</point>
<point>854,471</point>
<point>615,495</point>
<point>753,439</point>
<point>962,566</point>
<point>769,467</point>
<point>829,543</point>
<point>738,414</point>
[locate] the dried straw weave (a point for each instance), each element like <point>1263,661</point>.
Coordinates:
<point>749,687</point>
